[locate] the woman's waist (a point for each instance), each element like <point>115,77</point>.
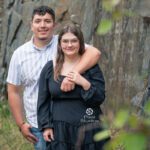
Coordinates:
<point>74,111</point>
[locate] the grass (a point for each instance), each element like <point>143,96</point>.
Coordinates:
<point>10,136</point>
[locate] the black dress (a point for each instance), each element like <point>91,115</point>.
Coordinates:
<point>71,114</point>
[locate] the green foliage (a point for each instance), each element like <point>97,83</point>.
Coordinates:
<point>10,137</point>
<point>109,5</point>
<point>104,26</point>
<point>132,141</point>
<point>147,108</point>
<point>4,110</point>
<point>128,141</point>
<point>102,135</point>
<point>115,11</point>
<point>127,131</point>
<point>121,118</point>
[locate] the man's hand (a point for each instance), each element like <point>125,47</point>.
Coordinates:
<point>48,134</point>
<point>78,79</point>
<point>25,130</point>
<point>75,77</point>
<point>67,85</point>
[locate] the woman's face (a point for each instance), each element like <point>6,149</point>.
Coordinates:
<point>70,44</point>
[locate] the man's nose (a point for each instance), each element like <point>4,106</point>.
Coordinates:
<point>42,24</point>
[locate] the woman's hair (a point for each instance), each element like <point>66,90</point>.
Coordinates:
<point>69,28</point>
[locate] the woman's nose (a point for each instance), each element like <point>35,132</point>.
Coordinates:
<point>69,43</point>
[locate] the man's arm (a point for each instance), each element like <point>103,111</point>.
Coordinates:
<point>88,59</point>
<point>15,103</point>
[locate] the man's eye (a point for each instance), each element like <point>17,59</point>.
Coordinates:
<point>48,21</point>
<point>37,21</point>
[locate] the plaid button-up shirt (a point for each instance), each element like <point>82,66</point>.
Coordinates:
<point>25,67</point>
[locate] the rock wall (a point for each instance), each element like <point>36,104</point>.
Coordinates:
<point>125,50</point>
<point>126,54</point>
<point>1,15</point>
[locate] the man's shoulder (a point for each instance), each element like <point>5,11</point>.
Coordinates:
<point>55,37</point>
<point>23,47</point>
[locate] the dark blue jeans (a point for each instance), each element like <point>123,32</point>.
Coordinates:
<point>41,144</point>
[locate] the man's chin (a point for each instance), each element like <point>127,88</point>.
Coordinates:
<point>43,38</point>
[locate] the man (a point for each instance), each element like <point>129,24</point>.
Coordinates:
<point>25,68</point>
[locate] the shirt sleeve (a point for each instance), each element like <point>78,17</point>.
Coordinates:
<point>95,95</point>
<point>44,116</point>
<point>14,71</point>
<point>54,52</point>
<point>86,45</point>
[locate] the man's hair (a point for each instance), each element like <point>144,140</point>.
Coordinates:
<point>42,10</point>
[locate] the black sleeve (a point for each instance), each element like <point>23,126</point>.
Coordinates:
<point>95,95</point>
<point>44,116</point>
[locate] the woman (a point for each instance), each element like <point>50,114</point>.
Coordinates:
<point>61,114</point>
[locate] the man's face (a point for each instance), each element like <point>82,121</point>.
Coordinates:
<point>42,26</point>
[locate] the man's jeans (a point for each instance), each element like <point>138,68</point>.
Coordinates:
<point>41,144</point>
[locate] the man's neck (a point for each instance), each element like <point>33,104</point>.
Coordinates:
<point>41,42</point>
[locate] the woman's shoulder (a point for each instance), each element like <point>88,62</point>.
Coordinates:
<point>94,69</point>
<point>49,65</point>
<point>48,68</point>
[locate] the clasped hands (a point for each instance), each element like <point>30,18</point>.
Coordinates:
<point>69,81</point>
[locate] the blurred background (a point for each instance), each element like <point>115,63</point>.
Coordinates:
<point>125,48</point>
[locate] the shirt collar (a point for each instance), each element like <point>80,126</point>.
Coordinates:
<point>43,48</point>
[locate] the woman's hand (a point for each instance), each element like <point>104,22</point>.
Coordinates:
<point>48,135</point>
<point>67,85</point>
<point>75,77</point>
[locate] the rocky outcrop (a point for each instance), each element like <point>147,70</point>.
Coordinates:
<point>126,54</point>
<point>125,50</point>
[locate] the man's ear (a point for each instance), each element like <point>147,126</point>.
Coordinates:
<point>57,27</point>
<point>55,24</point>
<point>31,25</point>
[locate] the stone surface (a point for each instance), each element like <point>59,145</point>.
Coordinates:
<point>125,50</point>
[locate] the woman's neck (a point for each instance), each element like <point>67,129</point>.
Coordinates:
<point>72,59</point>
<point>69,64</point>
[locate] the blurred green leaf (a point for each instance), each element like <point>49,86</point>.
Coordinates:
<point>133,121</point>
<point>147,107</point>
<point>107,5</point>
<point>132,141</point>
<point>128,13</point>
<point>115,2</point>
<point>121,118</point>
<point>104,26</point>
<point>117,14</point>
<point>147,121</point>
<point>102,135</point>
<point>115,143</point>
<point>128,141</point>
